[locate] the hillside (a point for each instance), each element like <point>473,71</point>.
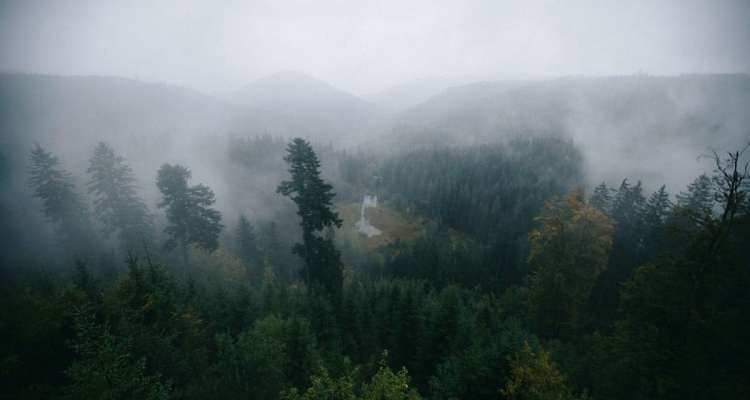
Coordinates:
<point>319,109</point>
<point>663,122</point>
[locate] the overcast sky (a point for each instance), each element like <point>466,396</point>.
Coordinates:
<point>366,46</point>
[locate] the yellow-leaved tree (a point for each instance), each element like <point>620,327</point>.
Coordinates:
<point>568,252</point>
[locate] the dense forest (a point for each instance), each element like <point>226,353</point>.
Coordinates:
<point>375,200</point>
<point>521,283</point>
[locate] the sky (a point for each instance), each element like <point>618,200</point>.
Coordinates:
<point>367,46</point>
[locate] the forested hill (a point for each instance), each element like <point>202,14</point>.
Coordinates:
<point>186,260</point>
<point>666,121</point>
<point>663,122</point>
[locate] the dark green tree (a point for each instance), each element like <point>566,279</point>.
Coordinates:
<point>247,246</point>
<point>655,215</point>
<point>683,328</point>
<point>189,213</point>
<point>106,367</point>
<point>627,208</point>
<point>601,199</point>
<point>116,202</point>
<point>61,204</point>
<point>313,197</point>
<point>275,259</point>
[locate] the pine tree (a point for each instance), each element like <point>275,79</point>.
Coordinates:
<point>655,216</point>
<point>313,198</point>
<point>116,203</point>
<point>61,204</point>
<point>697,203</point>
<point>601,199</point>
<point>189,213</point>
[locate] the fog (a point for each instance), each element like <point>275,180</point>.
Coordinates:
<point>387,199</point>
<point>366,47</point>
<point>642,89</point>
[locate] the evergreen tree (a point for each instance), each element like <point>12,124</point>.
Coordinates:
<point>61,204</point>
<point>695,205</point>
<point>106,367</point>
<point>627,210</point>
<point>313,198</point>
<point>601,199</point>
<point>116,203</point>
<point>189,213</point>
<point>655,216</point>
<point>248,248</point>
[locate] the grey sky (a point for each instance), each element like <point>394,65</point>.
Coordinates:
<point>366,46</point>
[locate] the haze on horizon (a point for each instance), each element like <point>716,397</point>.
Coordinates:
<point>367,47</point>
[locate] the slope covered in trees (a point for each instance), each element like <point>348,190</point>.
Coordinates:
<point>522,279</point>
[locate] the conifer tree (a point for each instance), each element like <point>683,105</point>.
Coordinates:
<point>655,216</point>
<point>601,199</point>
<point>189,213</point>
<point>697,203</point>
<point>116,203</point>
<point>313,197</point>
<point>61,204</point>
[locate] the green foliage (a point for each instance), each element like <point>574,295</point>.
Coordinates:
<point>491,193</point>
<point>189,213</point>
<point>313,198</point>
<point>568,252</point>
<point>533,376</point>
<point>324,387</point>
<point>677,329</point>
<point>252,365</point>
<point>384,385</point>
<point>106,369</point>
<point>479,370</point>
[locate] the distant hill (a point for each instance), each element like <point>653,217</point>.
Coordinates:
<point>409,94</point>
<point>321,110</point>
<point>651,128</point>
<point>70,114</point>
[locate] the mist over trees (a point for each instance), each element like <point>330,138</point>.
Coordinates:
<point>61,203</point>
<point>313,198</point>
<point>191,220</point>
<point>116,202</point>
<point>503,265</point>
<point>351,200</point>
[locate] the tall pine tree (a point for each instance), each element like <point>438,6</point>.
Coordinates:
<point>313,197</point>
<point>116,202</point>
<point>61,204</point>
<point>191,219</point>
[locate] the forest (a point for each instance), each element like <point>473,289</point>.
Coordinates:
<point>520,285</point>
<point>375,200</point>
